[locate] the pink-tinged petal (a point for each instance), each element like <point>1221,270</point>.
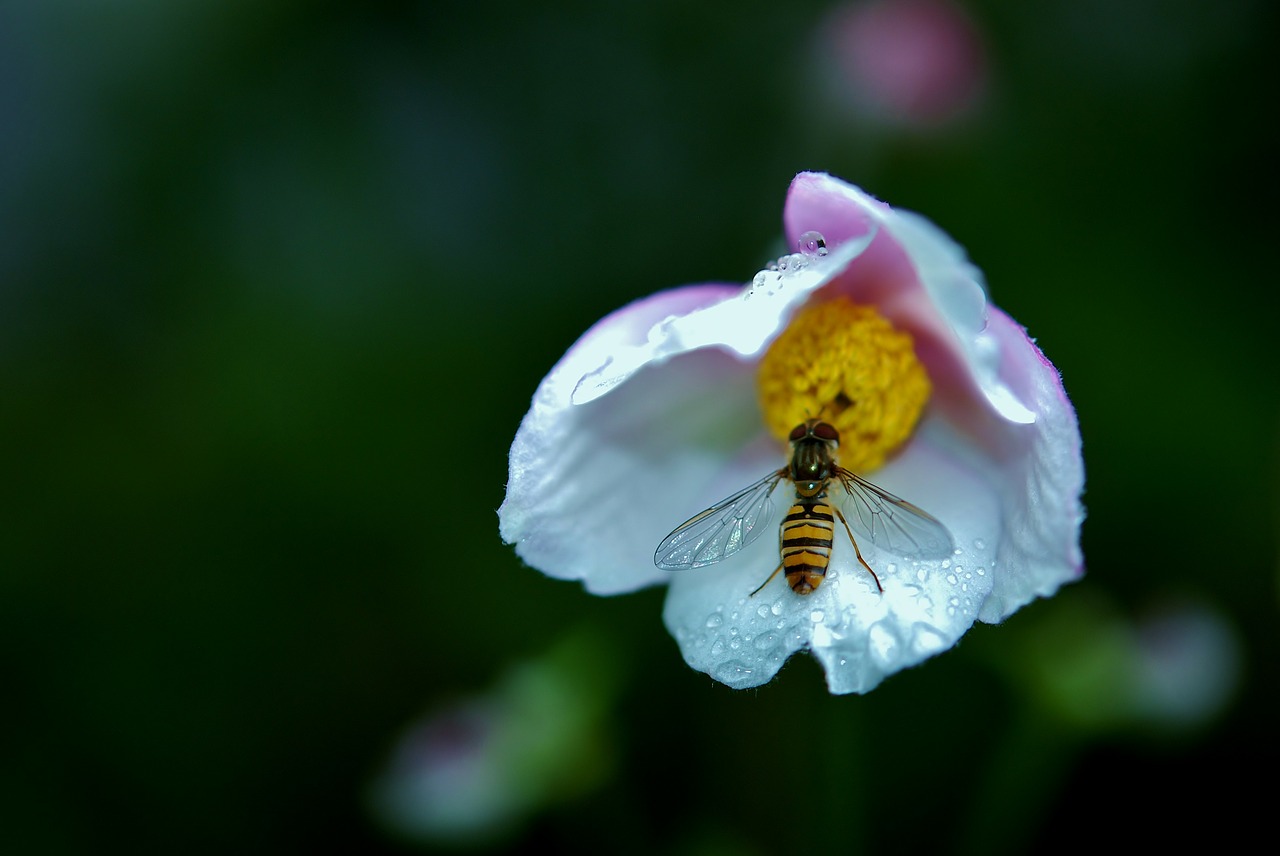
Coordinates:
<point>1041,479</point>
<point>920,280</point>
<point>743,324</point>
<point>586,481</point>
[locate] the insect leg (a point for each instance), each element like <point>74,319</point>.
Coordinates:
<point>766,582</point>
<point>854,542</point>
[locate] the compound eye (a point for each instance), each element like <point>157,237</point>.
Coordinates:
<point>798,433</point>
<point>825,431</point>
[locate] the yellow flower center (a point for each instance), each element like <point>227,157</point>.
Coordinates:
<point>845,364</point>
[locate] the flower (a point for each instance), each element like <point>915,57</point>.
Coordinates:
<point>683,397</point>
<point>906,63</point>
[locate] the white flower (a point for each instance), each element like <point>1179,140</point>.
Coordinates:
<point>675,401</point>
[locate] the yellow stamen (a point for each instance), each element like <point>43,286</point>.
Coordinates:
<point>845,364</point>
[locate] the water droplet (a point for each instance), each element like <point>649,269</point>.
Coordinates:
<point>982,572</point>
<point>715,619</point>
<point>812,243</point>
<point>760,280</point>
<point>735,644</point>
<point>882,642</point>
<point>762,611</point>
<point>817,615</point>
<point>927,639</point>
<point>766,641</point>
<point>922,575</point>
<point>776,609</point>
<point>951,578</point>
<point>946,563</point>
<point>733,672</point>
<point>979,544</point>
<point>718,648</point>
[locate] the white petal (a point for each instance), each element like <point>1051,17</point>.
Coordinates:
<point>858,634</point>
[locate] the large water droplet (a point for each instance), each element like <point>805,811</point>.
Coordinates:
<point>927,638</point>
<point>766,641</point>
<point>882,642</point>
<point>733,672</point>
<point>812,243</point>
<point>715,619</point>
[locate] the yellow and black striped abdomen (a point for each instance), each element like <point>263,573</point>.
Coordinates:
<point>806,544</point>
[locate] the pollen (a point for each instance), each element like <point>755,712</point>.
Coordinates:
<point>846,364</point>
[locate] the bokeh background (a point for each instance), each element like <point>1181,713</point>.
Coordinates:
<point>277,281</point>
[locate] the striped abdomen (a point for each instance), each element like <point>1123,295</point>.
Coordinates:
<point>806,544</point>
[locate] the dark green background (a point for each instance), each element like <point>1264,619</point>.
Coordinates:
<point>277,281</point>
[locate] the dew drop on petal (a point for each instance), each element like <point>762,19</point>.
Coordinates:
<point>979,544</point>
<point>927,639</point>
<point>733,672</point>
<point>715,619</point>
<point>812,243</point>
<point>817,615</point>
<point>882,642</point>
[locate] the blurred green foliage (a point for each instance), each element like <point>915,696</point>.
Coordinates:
<point>278,279</point>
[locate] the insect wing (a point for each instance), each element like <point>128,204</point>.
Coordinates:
<point>893,524</point>
<point>721,530</point>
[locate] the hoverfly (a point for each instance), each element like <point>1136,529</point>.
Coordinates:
<point>893,524</point>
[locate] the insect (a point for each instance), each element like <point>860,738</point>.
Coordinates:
<point>808,528</point>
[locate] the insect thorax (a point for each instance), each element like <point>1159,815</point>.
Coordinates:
<point>811,466</point>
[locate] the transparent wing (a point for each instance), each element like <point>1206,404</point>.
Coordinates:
<point>893,524</point>
<point>721,530</point>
